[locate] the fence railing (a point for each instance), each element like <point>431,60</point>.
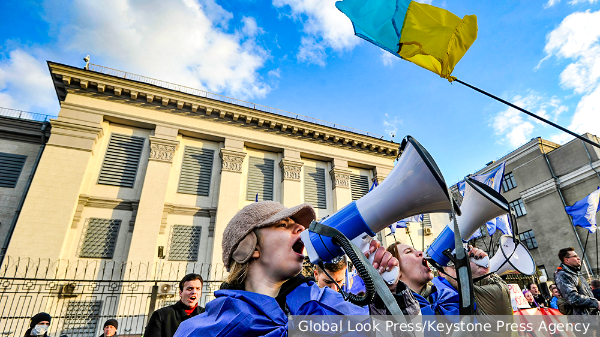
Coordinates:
<point>221,98</point>
<point>6,112</point>
<point>81,294</point>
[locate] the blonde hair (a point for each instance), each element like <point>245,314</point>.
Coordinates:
<point>238,272</point>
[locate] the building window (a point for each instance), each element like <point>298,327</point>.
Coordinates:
<point>508,183</point>
<point>359,186</point>
<point>528,239</point>
<point>260,179</point>
<point>11,166</point>
<point>196,171</point>
<point>519,207</point>
<point>81,318</point>
<point>121,160</point>
<point>185,242</point>
<point>314,187</point>
<point>99,238</point>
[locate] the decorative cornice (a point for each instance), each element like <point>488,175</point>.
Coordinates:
<point>232,161</point>
<point>203,107</point>
<point>540,190</point>
<point>339,178</point>
<point>162,149</point>
<point>108,203</point>
<point>185,210</point>
<point>578,175</point>
<point>290,169</point>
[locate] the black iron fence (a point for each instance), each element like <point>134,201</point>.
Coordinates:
<point>80,295</point>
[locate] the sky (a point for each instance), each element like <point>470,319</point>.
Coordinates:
<point>302,56</point>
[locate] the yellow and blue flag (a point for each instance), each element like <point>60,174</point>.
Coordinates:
<point>428,36</point>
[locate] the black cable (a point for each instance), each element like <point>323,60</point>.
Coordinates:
<point>369,295</point>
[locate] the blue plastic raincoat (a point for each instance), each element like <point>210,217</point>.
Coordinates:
<point>244,313</point>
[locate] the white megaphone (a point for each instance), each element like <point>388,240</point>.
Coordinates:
<point>480,204</point>
<point>512,258</point>
<point>414,186</point>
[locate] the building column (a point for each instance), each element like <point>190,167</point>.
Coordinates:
<point>53,197</point>
<point>340,183</point>
<point>291,169</point>
<point>148,221</point>
<point>232,160</point>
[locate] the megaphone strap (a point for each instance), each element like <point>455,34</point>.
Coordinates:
<point>370,276</point>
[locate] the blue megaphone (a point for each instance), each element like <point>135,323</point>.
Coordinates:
<point>480,204</point>
<point>415,186</point>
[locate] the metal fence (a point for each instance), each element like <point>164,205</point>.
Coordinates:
<point>221,98</point>
<point>24,115</point>
<point>81,295</point>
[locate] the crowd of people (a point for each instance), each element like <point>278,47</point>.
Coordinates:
<point>263,252</point>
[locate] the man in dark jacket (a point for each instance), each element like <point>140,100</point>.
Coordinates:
<point>572,286</point>
<point>165,321</point>
<point>595,284</point>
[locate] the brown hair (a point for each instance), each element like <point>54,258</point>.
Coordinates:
<point>393,249</point>
<point>595,284</point>
<point>190,277</point>
<point>563,252</point>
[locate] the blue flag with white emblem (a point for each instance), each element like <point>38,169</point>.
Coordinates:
<point>494,180</point>
<point>584,211</point>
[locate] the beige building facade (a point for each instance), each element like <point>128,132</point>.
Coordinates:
<point>130,167</point>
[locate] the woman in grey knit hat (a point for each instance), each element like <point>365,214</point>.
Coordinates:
<point>263,252</point>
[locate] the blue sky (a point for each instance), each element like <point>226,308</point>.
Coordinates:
<point>302,56</point>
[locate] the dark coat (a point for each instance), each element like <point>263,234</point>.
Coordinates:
<point>575,290</point>
<point>165,321</point>
<point>596,293</point>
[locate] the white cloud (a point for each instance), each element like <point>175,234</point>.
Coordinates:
<point>515,127</point>
<point>391,124</point>
<point>324,27</point>
<point>25,84</point>
<point>577,38</point>
<point>387,58</point>
<point>180,41</point>
<point>575,2</point>
<point>551,3</point>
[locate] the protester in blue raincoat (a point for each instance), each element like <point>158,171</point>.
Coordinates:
<point>263,252</point>
<point>437,297</point>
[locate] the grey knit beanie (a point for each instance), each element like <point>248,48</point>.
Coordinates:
<point>239,240</point>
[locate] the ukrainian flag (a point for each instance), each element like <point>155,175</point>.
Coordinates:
<point>428,36</point>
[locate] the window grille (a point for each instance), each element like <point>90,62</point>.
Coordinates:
<point>314,187</point>
<point>11,166</point>
<point>81,318</point>
<point>260,179</point>
<point>185,242</point>
<point>509,182</point>
<point>99,238</point>
<point>196,171</point>
<point>359,186</point>
<point>121,160</point>
<point>529,239</point>
<point>519,207</point>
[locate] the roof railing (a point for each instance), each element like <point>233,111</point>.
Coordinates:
<point>20,114</point>
<point>221,98</point>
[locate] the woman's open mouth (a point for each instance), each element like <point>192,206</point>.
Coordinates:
<point>298,247</point>
<point>426,265</point>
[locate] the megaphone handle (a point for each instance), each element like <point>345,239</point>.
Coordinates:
<point>389,276</point>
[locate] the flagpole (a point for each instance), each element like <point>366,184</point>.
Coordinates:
<point>529,113</point>
<point>585,246</point>
<point>410,237</point>
<point>596,250</point>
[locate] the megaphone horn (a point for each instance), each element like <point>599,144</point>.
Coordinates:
<point>512,258</point>
<point>414,186</point>
<point>480,204</point>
